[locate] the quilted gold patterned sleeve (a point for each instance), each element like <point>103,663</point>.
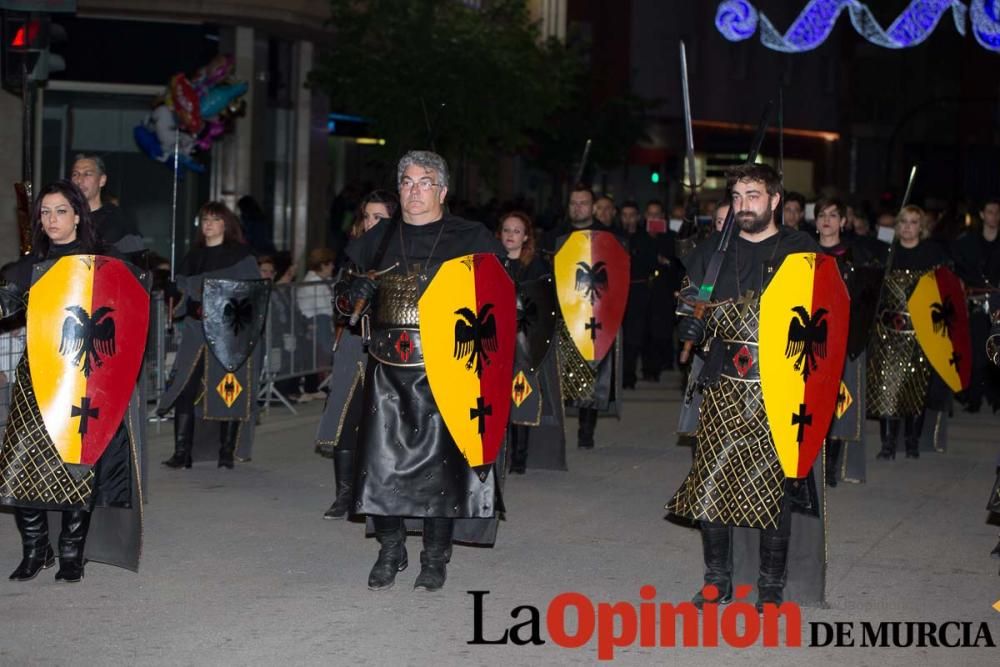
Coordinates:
<point>11,299</point>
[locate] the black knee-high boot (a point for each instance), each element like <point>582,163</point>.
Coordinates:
<point>228,432</point>
<point>343,475</point>
<point>518,448</point>
<point>391,536</point>
<point>436,554</point>
<point>37,552</point>
<point>912,426</point>
<point>774,561</point>
<point>889,432</point>
<point>183,439</point>
<point>716,544</point>
<point>588,424</point>
<point>833,447</point>
<point>75,524</point>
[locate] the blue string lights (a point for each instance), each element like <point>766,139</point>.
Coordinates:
<point>738,20</point>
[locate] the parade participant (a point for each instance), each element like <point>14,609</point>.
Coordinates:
<point>408,464</point>
<point>226,396</point>
<point>793,213</point>
<point>635,328</point>
<point>590,390</point>
<point>37,473</point>
<point>898,370</point>
<point>977,263</point>
<point>338,427</point>
<point>605,210</point>
<point>736,479</point>
<point>845,453</point>
<point>113,227</point>
<point>541,417</point>
<point>993,353</point>
<point>658,345</point>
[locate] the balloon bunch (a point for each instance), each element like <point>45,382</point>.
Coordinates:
<point>202,108</point>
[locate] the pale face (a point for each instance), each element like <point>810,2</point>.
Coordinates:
<point>214,229</point>
<point>581,207</point>
<point>908,229</point>
<point>513,235</point>
<point>89,179</point>
<point>829,223</point>
<point>374,213</point>
<point>58,219</point>
<point>754,207</point>
<point>604,211</point>
<point>991,216</point>
<point>421,195</point>
<point>654,212</point>
<point>267,271</point>
<point>720,216</point>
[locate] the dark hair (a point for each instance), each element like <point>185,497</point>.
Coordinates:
<point>801,199</point>
<point>827,202</point>
<point>318,257</point>
<point>629,203</point>
<point>528,249</point>
<point>232,234</point>
<point>583,187</point>
<point>993,199</point>
<point>754,172</point>
<point>249,208</point>
<point>86,235</point>
<point>384,197</point>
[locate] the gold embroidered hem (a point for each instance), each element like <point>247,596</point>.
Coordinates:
<point>31,472</point>
<point>576,376</point>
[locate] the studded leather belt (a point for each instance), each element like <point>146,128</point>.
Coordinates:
<point>397,347</point>
<point>740,360</point>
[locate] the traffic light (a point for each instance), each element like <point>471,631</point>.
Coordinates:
<point>27,39</point>
<point>654,174</point>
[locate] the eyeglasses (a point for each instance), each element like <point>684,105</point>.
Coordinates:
<point>423,184</point>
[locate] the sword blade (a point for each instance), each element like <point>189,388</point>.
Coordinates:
<point>688,129</point>
<point>583,163</point>
<point>909,186</point>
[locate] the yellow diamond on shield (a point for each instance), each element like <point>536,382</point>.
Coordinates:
<point>229,389</point>
<point>521,389</point>
<point>844,400</point>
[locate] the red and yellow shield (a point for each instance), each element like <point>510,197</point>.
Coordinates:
<point>941,324</point>
<point>804,317</point>
<point>468,329</point>
<point>592,279</point>
<point>87,321</point>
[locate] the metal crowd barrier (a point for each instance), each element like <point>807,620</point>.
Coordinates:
<point>294,346</point>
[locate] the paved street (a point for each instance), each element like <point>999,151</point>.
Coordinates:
<point>239,568</point>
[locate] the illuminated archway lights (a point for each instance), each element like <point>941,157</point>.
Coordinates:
<point>738,20</point>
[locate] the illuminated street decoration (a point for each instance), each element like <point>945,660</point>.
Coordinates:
<point>738,20</point>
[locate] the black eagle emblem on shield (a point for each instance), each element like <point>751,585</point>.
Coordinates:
<point>88,338</point>
<point>592,280</point>
<point>237,314</point>
<point>806,339</point>
<point>943,317</point>
<point>475,336</point>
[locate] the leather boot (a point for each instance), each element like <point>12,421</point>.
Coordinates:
<point>343,474</point>
<point>183,439</point>
<point>37,552</point>
<point>833,447</point>
<point>588,423</point>
<point>773,558</point>
<point>716,544</point>
<point>518,448</point>
<point>75,524</point>
<point>391,535</point>
<point>228,432</point>
<point>911,436</point>
<point>889,432</point>
<point>436,554</point>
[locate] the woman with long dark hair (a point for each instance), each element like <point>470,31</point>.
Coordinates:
<point>338,428</point>
<point>34,477</point>
<point>227,399</point>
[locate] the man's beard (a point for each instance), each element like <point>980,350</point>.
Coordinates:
<point>754,224</point>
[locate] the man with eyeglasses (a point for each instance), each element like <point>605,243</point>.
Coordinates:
<point>408,466</point>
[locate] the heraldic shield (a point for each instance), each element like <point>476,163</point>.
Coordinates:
<point>87,321</point>
<point>592,279</point>
<point>536,328</point>
<point>234,313</point>
<point>941,324</point>
<point>804,316</point>
<point>468,326</point>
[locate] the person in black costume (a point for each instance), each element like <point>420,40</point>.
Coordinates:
<point>218,252</point>
<point>635,328</point>
<point>977,263</point>
<point>34,482</point>
<point>899,374</point>
<point>112,226</point>
<point>516,233</point>
<point>407,463</point>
